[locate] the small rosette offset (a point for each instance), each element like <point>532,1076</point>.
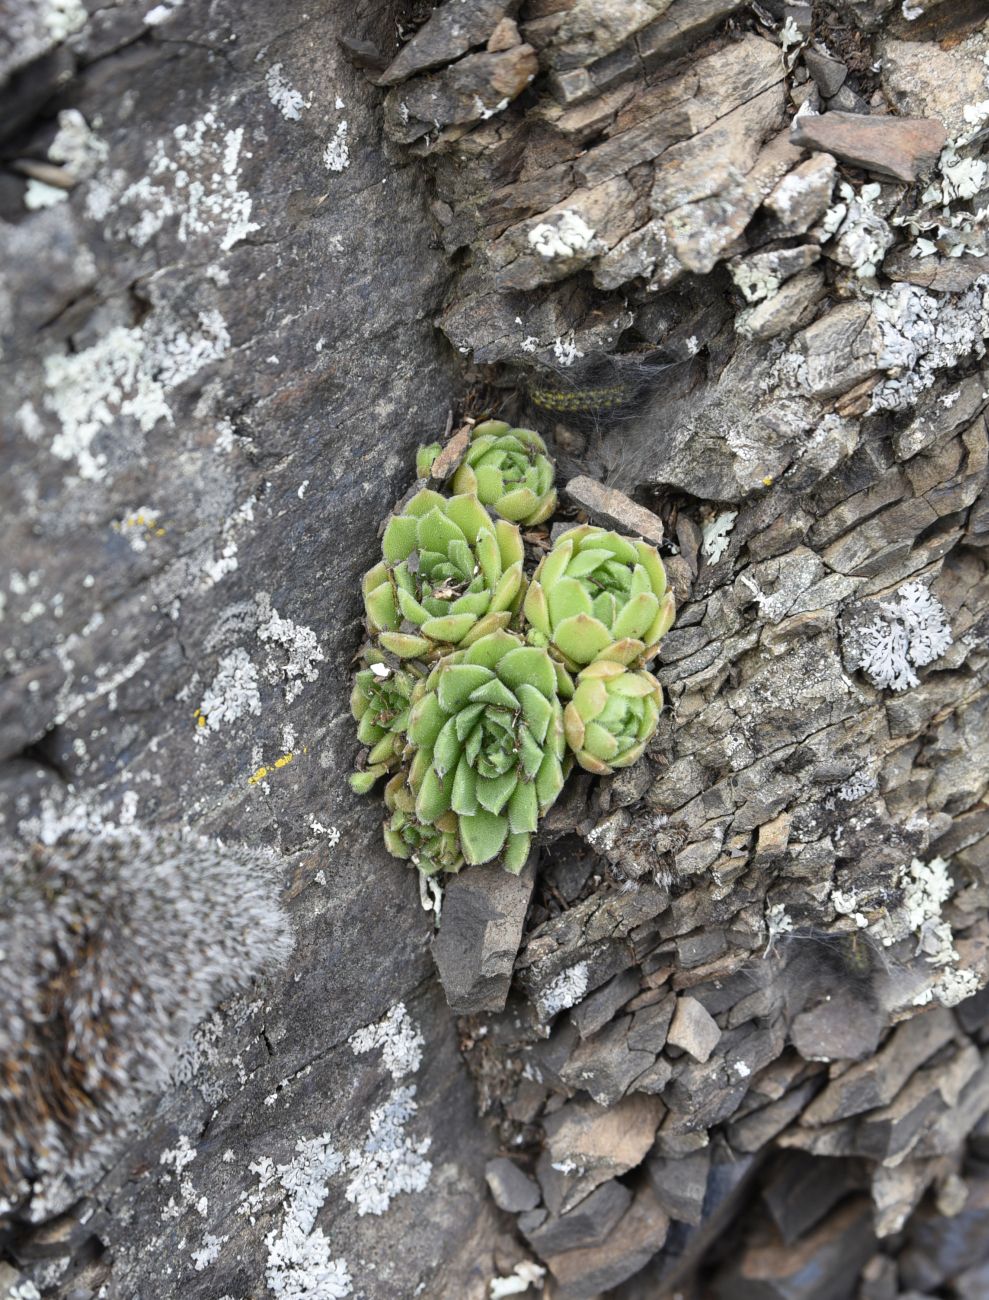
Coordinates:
<point>598,595</point>
<point>509,471</point>
<point>449,576</point>
<point>432,847</point>
<point>380,702</point>
<point>612,716</point>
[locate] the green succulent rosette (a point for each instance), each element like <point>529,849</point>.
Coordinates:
<point>612,716</point>
<point>432,847</point>
<point>380,702</point>
<point>509,471</point>
<point>450,575</point>
<point>487,743</point>
<point>598,595</point>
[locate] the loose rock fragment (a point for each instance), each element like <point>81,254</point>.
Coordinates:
<point>694,1029</point>
<point>901,147</point>
<point>511,1188</point>
<point>451,30</point>
<point>483,913</point>
<point>613,509</point>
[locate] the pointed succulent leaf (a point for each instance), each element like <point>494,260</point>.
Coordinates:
<point>483,836</point>
<point>581,638</point>
<point>567,598</point>
<point>426,721</point>
<point>425,458</point>
<point>549,781</point>
<point>457,681</point>
<point>516,853</point>
<point>379,605</point>
<point>486,625</point>
<point>452,627</point>
<point>518,505</point>
<point>466,511</point>
<point>405,645</point>
<point>433,798</point>
<point>399,540</point>
<point>523,808</point>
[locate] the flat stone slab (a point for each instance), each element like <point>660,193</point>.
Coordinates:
<point>613,509</point>
<point>483,913</point>
<point>901,147</point>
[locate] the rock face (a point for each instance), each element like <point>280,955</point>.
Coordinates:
<point>736,997</point>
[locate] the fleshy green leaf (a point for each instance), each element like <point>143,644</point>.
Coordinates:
<point>468,514</point>
<point>435,532</point>
<point>485,626</point>
<point>590,698</point>
<point>516,853</point>
<point>553,566</point>
<point>599,742</point>
<point>516,505</point>
<point>423,502</point>
<point>528,664</point>
<point>379,605</point>
<point>495,692</point>
<point>490,650</point>
<point>573,726</point>
<point>490,428</point>
<point>447,749</point>
<point>653,565</point>
<point>549,781</point>
<point>536,709</point>
<point>456,683</point>
<point>404,645</point>
<point>634,620</point>
<point>507,588</point>
<point>411,609</point>
<point>463,797</point>
<point>567,598</point>
<point>452,627</point>
<point>523,808</point>
<point>586,561</point>
<point>510,544</point>
<point>464,480</point>
<point>536,609</point>
<point>490,484</point>
<point>433,799</point>
<point>361,782</point>
<point>482,836</point>
<point>426,721</point>
<point>493,792</point>
<point>581,638</point>
<point>399,540</point>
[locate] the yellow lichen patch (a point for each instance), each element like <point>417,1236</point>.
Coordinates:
<point>200,718</point>
<point>139,526</point>
<point>262,772</point>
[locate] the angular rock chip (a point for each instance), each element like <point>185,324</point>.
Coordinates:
<point>901,147</point>
<point>681,1185</point>
<point>450,32</point>
<point>586,1225</point>
<point>483,913</point>
<point>591,1143</point>
<point>613,509</point>
<point>803,194</point>
<point>586,1272</point>
<point>693,1029</point>
<point>511,1189</point>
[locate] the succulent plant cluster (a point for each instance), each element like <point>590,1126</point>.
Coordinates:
<point>479,689</point>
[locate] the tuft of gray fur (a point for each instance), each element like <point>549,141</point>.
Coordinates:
<point>114,944</point>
